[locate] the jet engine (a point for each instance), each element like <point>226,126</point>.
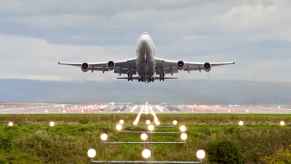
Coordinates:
<point>85,67</point>
<point>110,65</point>
<point>180,64</point>
<point>207,67</point>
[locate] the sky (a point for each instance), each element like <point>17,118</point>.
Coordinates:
<point>35,34</point>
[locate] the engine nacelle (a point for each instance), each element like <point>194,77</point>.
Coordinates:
<point>110,65</point>
<point>85,67</point>
<point>180,64</point>
<point>207,67</point>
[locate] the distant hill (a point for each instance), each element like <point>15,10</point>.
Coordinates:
<point>173,92</point>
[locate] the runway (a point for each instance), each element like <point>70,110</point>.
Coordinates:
<point>50,108</point>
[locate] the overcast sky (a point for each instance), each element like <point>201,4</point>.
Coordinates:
<point>35,34</point>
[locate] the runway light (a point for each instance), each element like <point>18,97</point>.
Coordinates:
<point>151,127</point>
<point>183,128</point>
<point>148,122</point>
<point>241,123</point>
<point>52,123</point>
<point>200,154</point>
<point>282,123</point>
<point>183,136</point>
<point>10,124</point>
<point>118,127</point>
<point>175,122</point>
<point>121,122</point>
<point>91,153</point>
<point>144,136</point>
<point>146,153</point>
<point>104,137</point>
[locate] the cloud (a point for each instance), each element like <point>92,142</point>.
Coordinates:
<point>32,58</point>
<point>256,33</point>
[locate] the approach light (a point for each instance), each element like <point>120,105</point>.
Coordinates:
<point>135,123</point>
<point>175,122</point>
<point>183,128</point>
<point>183,136</point>
<point>91,153</point>
<point>157,123</point>
<point>200,154</point>
<point>121,122</point>
<point>148,122</point>
<point>282,123</point>
<point>146,153</point>
<point>241,123</point>
<point>144,136</point>
<point>10,124</point>
<point>52,123</point>
<point>118,127</point>
<point>151,127</point>
<point>104,137</point>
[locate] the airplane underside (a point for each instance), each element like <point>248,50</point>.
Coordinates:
<point>146,67</point>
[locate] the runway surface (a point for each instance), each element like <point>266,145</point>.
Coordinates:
<point>42,108</point>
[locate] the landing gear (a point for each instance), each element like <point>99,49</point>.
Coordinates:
<point>129,77</point>
<point>162,77</point>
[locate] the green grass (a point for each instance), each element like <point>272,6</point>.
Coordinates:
<point>32,141</point>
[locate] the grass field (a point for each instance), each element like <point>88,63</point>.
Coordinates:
<point>31,140</point>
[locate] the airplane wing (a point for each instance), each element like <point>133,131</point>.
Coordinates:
<point>120,67</point>
<point>171,66</point>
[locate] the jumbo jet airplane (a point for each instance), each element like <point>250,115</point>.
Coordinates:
<point>146,67</point>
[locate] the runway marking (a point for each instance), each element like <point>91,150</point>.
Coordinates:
<point>156,120</point>
<point>136,121</point>
<point>160,108</point>
<point>133,108</point>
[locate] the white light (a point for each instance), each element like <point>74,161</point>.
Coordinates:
<point>200,154</point>
<point>144,136</point>
<point>121,122</point>
<point>91,153</point>
<point>52,124</point>
<point>241,123</point>
<point>151,127</point>
<point>134,123</point>
<point>118,127</point>
<point>282,123</point>
<point>184,136</point>
<point>158,123</point>
<point>183,128</point>
<point>103,137</point>
<point>175,122</point>
<point>10,123</point>
<point>146,153</point>
<point>148,122</point>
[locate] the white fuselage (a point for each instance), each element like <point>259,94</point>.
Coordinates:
<point>145,62</point>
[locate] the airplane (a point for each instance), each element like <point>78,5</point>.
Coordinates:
<point>146,67</point>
